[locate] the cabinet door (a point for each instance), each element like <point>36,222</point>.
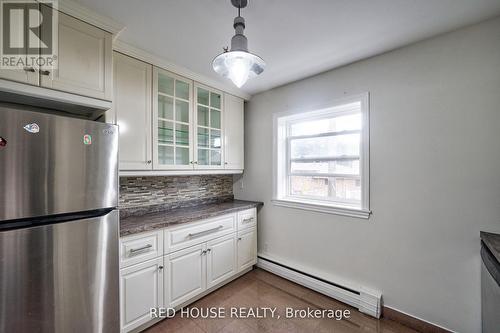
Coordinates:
<point>172,119</point>
<point>209,126</point>
<point>247,248</point>
<point>141,288</point>
<point>233,132</point>
<point>221,259</point>
<point>132,105</point>
<point>84,60</point>
<point>25,74</point>
<point>186,275</point>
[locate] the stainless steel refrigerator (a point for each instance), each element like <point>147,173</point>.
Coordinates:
<point>58,223</point>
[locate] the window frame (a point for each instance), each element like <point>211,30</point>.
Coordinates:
<point>282,157</point>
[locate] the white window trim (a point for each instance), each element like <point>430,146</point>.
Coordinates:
<point>279,163</point>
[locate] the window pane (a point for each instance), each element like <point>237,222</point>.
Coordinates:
<point>215,157</point>
<point>182,111</point>
<point>215,141</point>
<point>182,89</point>
<point>203,137</point>
<point>203,156</point>
<point>337,124</point>
<point>181,156</point>
<point>202,116</point>
<point>165,84</point>
<point>329,146</point>
<point>203,96</point>
<point>181,135</point>
<point>165,107</point>
<point>345,189</point>
<point>309,186</point>
<point>335,189</point>
<point>215,100</point>
<point>165,132</point>
<point>348,167</point>
<point>166,155</point>
<point>214,118</point>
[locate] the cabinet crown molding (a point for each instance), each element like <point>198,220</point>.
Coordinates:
<point>84,14</point>
<point>135,52</point>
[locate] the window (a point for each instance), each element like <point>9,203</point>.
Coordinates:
<point>322,158</point>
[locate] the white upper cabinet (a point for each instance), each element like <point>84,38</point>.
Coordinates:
<point>190,131</point>
<point>132,106</point>
<point>84,60</point>
<point>17,32</point>
<point>209,128</point>
<point>172,121</point>
<point>233,132</point>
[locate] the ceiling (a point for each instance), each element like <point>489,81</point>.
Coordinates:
<point>296,38</point>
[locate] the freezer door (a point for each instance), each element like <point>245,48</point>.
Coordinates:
<point>53,164</point>
<point>61,278</point>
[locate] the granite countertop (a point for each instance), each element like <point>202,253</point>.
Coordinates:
<point>492,242</point>
<point>172,217</point>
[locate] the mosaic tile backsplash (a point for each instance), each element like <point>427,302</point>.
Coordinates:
<point>174,191</point>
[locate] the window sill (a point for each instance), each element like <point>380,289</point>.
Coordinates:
<point>344,211</point>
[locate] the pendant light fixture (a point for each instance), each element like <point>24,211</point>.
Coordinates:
<point>238,64</point>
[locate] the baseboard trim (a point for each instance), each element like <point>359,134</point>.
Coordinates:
<point>412,322</point>
<point>365,300</point>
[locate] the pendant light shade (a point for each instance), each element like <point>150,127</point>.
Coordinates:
<point>238,64</point>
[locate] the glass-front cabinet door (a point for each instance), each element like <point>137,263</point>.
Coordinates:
<point>172,124</point>
<point>208,128</point>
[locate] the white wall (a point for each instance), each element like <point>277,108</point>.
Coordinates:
<point>435,176</point>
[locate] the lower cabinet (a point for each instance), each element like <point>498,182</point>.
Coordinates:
<point>141,288</point>
<point>176,278</point>
<point>247,249</point>
<point>186,275</point>
<point>221,259</point>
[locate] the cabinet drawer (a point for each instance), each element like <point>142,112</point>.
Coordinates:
<point>247,218</point>
<point>140,247</point>
<point>182,237</point>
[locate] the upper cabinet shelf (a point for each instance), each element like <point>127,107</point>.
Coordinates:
<point>174,125</point>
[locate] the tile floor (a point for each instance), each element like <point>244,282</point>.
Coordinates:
<point>259,288</point>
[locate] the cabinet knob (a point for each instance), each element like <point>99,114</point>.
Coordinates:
<point>148,162</point>
<point>195,162</point>
<point>203,252</point>
<point>239,238</point>
<point>160,268</point>
<point>209,250</point>
<point>225,163</point>
<point>45,72</point>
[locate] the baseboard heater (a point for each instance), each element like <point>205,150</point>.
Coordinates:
<point>365,300</point>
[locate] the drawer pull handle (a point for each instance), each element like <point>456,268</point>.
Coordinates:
<point>248,220</point>
<point>204,232</point>
<point>140,249</point>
